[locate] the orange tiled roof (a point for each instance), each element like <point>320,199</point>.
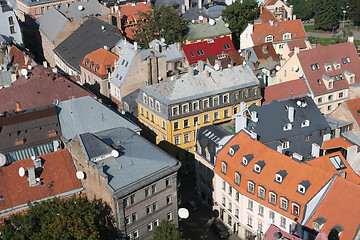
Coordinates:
<point>59,176</point>
<point>274,162</point>
<point>337,142</point>
<point>340,206</point>
<point>270,2</point>
<point>354,107</point>
<point>101,59</point>
<point>131,10</point>
<point>324,163</point>
<point>266,15</point>
<point>278,29</point>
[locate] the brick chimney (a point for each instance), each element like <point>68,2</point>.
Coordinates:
<point>18,108</point>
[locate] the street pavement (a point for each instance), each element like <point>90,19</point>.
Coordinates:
<point>356,34</point>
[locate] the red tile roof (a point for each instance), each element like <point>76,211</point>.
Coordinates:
<point>354,107</point>
<point>101,59</point>
<point>211,47</point>
<point>262,30</point>
<point>20,58</point>
<point>274,162</point>
<point>337,142</point>
<point>340,206</point>
<point>41,88</point>
<point>329,54</point>
<point>269,235</point>
<point>287,90</point>
<point>58,176</point>
<point>266,15</point>
<point>270,2</point>
<point>297,43</point>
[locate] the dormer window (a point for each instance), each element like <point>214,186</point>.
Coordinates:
<point>157,105</point>
<point>269,38</point>
<point>318,223</point>
<point>259,166</point>
<point>348,60</point>
<point>328,67</point>
<point>185,108</point>
<point>175,110</point>
<point>305,123</point>
<point>280,176</point>
<point>223,167</point>
<point>245,161</point>
<point>337,65</point>
<point>145,98</point>
<point>151,102</point>
<point>287,36</point>
<point>233,150</point>
<point>237,178</point>
<point>285,145</point>
<point>301,189</point>
<point>287,127</point>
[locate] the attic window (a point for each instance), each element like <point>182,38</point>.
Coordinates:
<point>200,52</point>
<point>280,175</point>
<point>226,46</point>
<point>336,65</point>
<point>287,127</point>
<point>301,189</point>
<point>233,149</point>
<point>269,38</point>
<point>192,54</point>
<point>245,161</point>
<point>237,178</point>
<point>348,60</point>
<point>305,123</point>
<point>337,162</point>
<point>258,167</point>
<point>287,36</point>
<point>328,67</point>
<point>295,209</point>
<point>223,167</point>
<point>278,178</point>
<point>285,145</point>
<point>318,223</point>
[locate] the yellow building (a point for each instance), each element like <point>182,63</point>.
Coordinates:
<point>174,110</point>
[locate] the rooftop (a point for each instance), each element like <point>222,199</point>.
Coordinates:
<point>81,10</point>
<point>354,107</point>
<point>51,23</point>
<point>286,90</point>
<point>205,30</point>
<point>100,59</point>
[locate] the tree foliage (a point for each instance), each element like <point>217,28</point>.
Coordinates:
<point>354,11</point>
<point>160,22</point>
<point>75,218</point>
<point>326,15</point>
<point>167,231</point>
<point>238,15</point>
<point>302,9</point>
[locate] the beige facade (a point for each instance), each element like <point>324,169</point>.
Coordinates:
<point>281,11</point>
<point>97,85</point>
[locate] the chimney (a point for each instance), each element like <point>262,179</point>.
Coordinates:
<point>187,5</point>
<point>351,154</point>
<point>54,70</point>
<point>200,4</point>
<point>157,47</point>
<point>200,66</point>
<point>296,50</point>
<point>240,123</point>
<point>326,137</point>
<point>254,116</point>
<point>207,73</point>
<point>18,108</point>
<point>45,64</point>
<point>342,174</point>
<point>350,39</point>
<point>253,135</point>
<point>31,176</point>
<point>315,150</point>
<point>291,113</point>
<point>297,156</point>
<point>190,71</point>
<point>265,49</point>
<point>135,46</point>
<point>271,23</point>
<point>183,8</point>
<point>178,46</point>
<point>279,149</point>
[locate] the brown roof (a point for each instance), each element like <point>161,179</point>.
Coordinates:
<point>265,51</point>
<point>262,30</point>
<point>58,176</point>
<point>328,55</point>
<point>340,206</point>
<point>354,107</point>
<point>270,2</point>
<point>41,88</point>
<point>286,90</point>
<point>20,58</point>
<point>266,15</point>
<point>274,162</point>
<point>297,43</point>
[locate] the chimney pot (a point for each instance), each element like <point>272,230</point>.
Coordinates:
<point>18,108</point>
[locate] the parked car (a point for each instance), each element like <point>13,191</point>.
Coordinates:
<point>220,229</point>
<point>191,206</point>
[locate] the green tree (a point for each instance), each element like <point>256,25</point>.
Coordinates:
<point>302,9</point>
<point>238,15</point>
<point>354,11</point>
<point>75,218</point>
<point>167,231</point>
<point>160,22</point>
<point>326,15</point>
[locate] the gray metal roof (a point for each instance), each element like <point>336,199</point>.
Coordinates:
<point>138,160</point>
<point>90,36</point>
<point>205,30</point>
<point>123,65</point>
<point>85,114</point>
<point>336,123</point>
<point>51,23</point>
<point>172,53</point>
<point>198,85</point>
<point>82,9</point>
<point>5,78</point>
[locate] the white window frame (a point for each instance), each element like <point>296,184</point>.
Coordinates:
<point>217,98</point>
<point>278,178</point>
<point>145,98</point>
<point>150,227</point>
<point>157,105</point>
<point>185,106</point>
<point>176,112</point>
<point>261,190</point>
<point>205,100</point>
<point>272,194</point>
<point>216,116</point>
<point>269,38</point>
<point>206,118</point>
<point>237,178</point>
<point>151,102</point>
<point>245,161</point>
<point>186,137</point>
<point>287,36</point>
<point>301,189</point>
<point>248,187</point>
<point>223,167</point>
<point>169,216</point>
<point>293,205</point>
<point>287,127</point>
<point>196,106</point>
<point>136,234</point>
<point>177,139</point>
<point>305,123</point>
<point>257,168</point>
<point>282,201</point>
<point>285,145</point>
<point>227,96</point>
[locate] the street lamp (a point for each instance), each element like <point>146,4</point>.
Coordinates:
<point>344,20</point>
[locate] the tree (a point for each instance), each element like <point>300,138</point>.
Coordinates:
<point>326,15</point>
<point>238,15</point>
<point>160,22</point>
<point>75,218</point>
<point>302,9</point>
<point>354,11</point>
<point>167,231</point>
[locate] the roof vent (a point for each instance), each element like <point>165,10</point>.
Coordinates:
<point>21,172</point>
<point>115,153</point>
<point>80,7</point>
<point>103,28</point>
<point>2,160</point>
<point>212,22</point>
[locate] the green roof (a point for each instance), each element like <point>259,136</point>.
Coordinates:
<point>205,30</point>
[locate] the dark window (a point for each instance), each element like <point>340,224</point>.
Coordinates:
<point>192,54</point>
<point>12,29</point>
<point>227,46</point>
<point>200,52</point>
<point>343,60</point>
<point>11,21</point>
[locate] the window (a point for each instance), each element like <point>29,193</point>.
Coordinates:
<point>337,162</point>
<point>329,108</point>
<point>215,100</point>
<point>272,198</point>
<point>348,60</point>
<point>206,118</point>
<point>307,138</point>
<point>250,204</point>
<point>186,123</point>
<point>226,113</point>
<point>313,67</point>
<point>156,223</point>
<point>250,221</point>
<point>12,29</point>
<point>196,121</point>
<point>261,210</point>
<point>132,199</point>
<point>245,94</point>
<point>283,222</point>
<point>285,145</point>
<point>287,127</point>
<point>125,202</point>
<point>11,21</point>
<point>153,189</point>
<point>151,102</point>
<point>147,114</point>
<point>237,178</point>
<point>331,83</point>
<point>176,126</point>
<point>205,103</point>
<point>287,36</point>
<point>169,216</point>
<point>157,104</point>
<point>351,79</point>
<point>230,190</point>
<point>223,185</point>
<point>195,106</point>
<point>251,187</point>
<point>295,209</point>
<point>330,97</point>
<point>269,38</point>
<point>328,68</point>
<point>319,100</point>
<point>152,118</point>
<point>237,196</point>
<point>341,77</point>
<point>216,116</point>
<point>261,192</point>
<point>148,210</point>
<point>163,124</point>
<point>200,52</point>
<point>226,98</point>
<point>283,204</point>
<point>185,108</point>
<point>317,66</point>
<point>192,54</point>
<point>146,192</point>
<point>341,94</point>
<point>149,227</point>
<point>305,123</point>
<point>237,211</point>
<point>230,207</point>
<point>223,167</point>
<point>229,220</point>
<point>145,98</point>
<point>337,78</point>
<point>224,201</point>
<point>134,217</point>
<point>167,182</point>
<point>168,199</point>
<point>154,206</point>
<point>257,168</point>
<point>226,46</point>
<point>272,216</point>
<point>186,137</point>
<point>127,220</point>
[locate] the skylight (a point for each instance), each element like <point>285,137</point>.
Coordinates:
<point>337,162</point>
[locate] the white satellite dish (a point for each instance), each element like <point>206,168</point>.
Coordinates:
<point>29,67</point>
<point>162,39</point>
<point>80,175</point>
<point>80,7</point>
<point>183,213</point>
<point>298,103</point>
<point>212,22</point>
<point>56,102</point>
<point>2,159</point>
<point>21,172</point>
<point>201,18</point>
<point>115,153</point>
<point>37,179</point>
<point>229,65</point>
<point>23,72</point>
<point>277,68</point>
<point>300,74</point>
<point>193,21</point>
<point>217,67</point>
<point>295,68</point>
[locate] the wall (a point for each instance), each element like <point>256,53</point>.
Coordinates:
<point>286,72</point>
<point>246,37</point>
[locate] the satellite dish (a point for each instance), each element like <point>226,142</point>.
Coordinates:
<point>29,67</point>
<point>56,102</point>
<point>226,25</point>
<point>37,179</point>
<point>23,72</point>
<point>115,153</point>
<point>295,68</point>
<point>80,175</point>
<point>80,8</point>
<point>212,22</point>
<point>21,172</point>
<point>217,67</point>
<point>2,159</point>
<point>229,65</point>
<point>277,68</point>
<point>193,21</point>
<point>183,213</point>
<point>277,235</point>
<point>56,145</point>
<point>201,18</point>
<point>298,103</point>
<point>162,39</point>
<point>300,74</point>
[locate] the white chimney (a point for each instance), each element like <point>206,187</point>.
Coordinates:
<point>240,123</point>
<point>187,5</point>
<point>45,64</point>
<point>297,156</point>
<point>291,113</point>
<point>271,23</point>
<point>31,176</point>
<point>253,135</point>
<point>135,46</point>
<point>326,137</point>
<point>279,149</point>
<point>200,4</point>
<point>315,150</point>
<point>254,116</point>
